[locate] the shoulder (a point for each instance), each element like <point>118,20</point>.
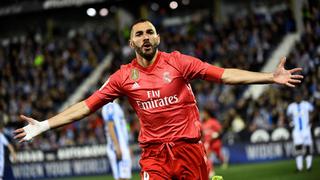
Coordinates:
<point>290,106</point>
<point>174,58</point>
<point>123,72</point>
<point>125,69</point>
<point>306,103</point>
<point>170,55</point>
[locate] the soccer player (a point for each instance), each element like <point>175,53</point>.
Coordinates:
<point>4,142</point>
<point>157,86</point>
<point>117,141</point>
<point>300,111</point>
<point>211,133</point>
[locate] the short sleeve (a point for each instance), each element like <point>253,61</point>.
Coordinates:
<point>109,91</point>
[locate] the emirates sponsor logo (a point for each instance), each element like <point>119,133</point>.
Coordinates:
<point>157,101</point>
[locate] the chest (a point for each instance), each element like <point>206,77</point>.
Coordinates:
<point>300,110</point>
<point>162,83</point>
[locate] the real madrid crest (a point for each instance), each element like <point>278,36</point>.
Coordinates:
<point>166,77</point>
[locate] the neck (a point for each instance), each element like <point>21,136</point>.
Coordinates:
<point>146,63</point>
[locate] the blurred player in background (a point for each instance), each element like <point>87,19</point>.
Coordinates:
<point>117,141</point>
<point>299,112</point>
<point>157,86</point>
<point>4,142</point>
<point>211,133</point>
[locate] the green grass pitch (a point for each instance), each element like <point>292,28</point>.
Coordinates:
<point>276,170</point>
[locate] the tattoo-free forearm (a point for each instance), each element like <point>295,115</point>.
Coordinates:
<point>238,76</point>
<point>73,113</point>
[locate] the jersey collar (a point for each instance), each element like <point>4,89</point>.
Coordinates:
<point>149,68</point>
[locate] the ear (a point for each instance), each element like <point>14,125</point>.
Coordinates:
<point>158,39</point>
<point>131,44</point>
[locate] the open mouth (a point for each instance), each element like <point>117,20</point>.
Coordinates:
<point>147,46</point>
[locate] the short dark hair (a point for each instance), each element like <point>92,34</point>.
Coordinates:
<point>142,20</point>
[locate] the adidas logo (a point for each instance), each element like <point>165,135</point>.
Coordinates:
<point>135,85</point>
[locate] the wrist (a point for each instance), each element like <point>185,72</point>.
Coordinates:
<point>35,128</point>
<point>44,125</point>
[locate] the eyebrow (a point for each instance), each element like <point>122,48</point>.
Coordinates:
<point>148,31</point>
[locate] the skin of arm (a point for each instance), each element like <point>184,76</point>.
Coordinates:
<point>237,76</point>
<point>279,76</point>
<point>114,139</point>
<point>71,114</point>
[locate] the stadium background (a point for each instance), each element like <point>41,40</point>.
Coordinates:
<point>55,52</point>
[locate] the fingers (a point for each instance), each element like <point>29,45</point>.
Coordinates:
<point>22,140</point>
<point>282,61</point>
<point>290,85</point>
<point>296,76</point>
<point>294,81</point>
<point>30,120</point>
<point>20,135</point>
<point>18,130</point>
<point>295,70</point>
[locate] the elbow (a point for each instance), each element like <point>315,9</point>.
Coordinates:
<point>228,77</point>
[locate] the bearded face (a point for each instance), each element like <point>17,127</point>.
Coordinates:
<point>144,40</point>
<point>147,50</point>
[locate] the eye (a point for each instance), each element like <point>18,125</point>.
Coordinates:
<point>139,33</point>
<point>150,31</point>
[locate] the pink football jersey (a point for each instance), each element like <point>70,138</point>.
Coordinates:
<point>160,94</point>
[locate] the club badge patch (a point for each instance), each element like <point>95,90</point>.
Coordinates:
<point>167,77</point>
<point>134,74</point>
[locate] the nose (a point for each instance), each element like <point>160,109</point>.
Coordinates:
<point>146,36</point>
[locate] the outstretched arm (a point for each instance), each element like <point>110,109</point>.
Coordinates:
<point>279,76</point>
<point>34,127</point>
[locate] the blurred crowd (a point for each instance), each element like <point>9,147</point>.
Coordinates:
<point>40,72</point>
<point>269,110</point>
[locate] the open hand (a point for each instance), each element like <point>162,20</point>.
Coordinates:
<point>33,129</point>
<point>286,77</point>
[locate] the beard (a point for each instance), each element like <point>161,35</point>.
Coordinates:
<point>147,52</point>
